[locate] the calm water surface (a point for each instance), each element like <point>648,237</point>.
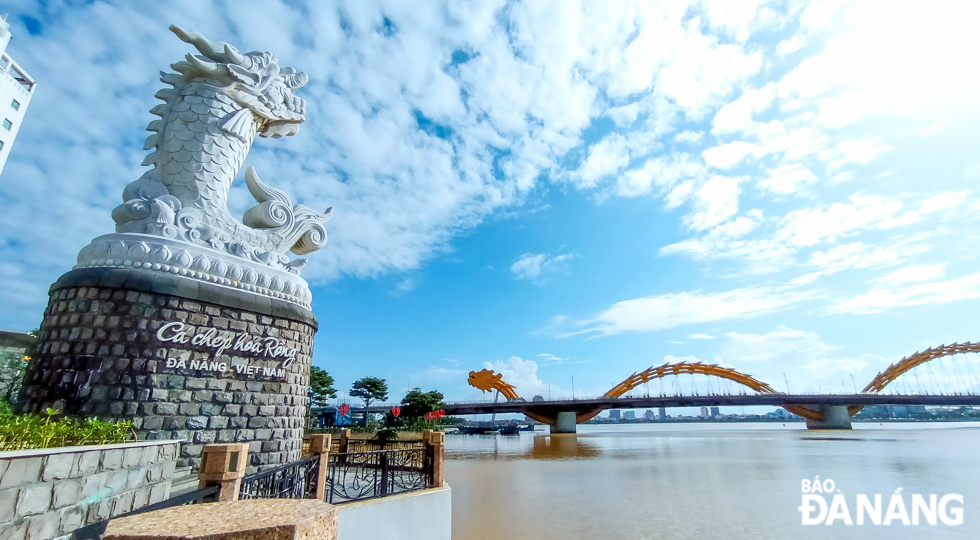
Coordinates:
<point>693,481</point>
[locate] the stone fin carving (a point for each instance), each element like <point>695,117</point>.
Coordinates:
<point>239,124</point>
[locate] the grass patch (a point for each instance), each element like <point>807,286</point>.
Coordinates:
<point>32,431</point>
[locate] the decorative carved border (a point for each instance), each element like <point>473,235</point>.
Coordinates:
<point>131,250</point>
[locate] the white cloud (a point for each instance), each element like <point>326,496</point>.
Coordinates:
<point>689,137</point>
<point>660,312</point>
<point>736,116</point>
<point>869,66</point>
<point>883,298</point>
<point>728,155</point>
<point>404,286</point>
<point>537,267</point>
<point>829,367</point>
<point>606,157</point>
<point>725,241</point>
<point>550,358</point>
<point>523,374</point>
<point>662,172</point>
<point>774,345</point>
<point>446,373</point>
<point>790,45</point>
<point>787,178</point>
<point>624,116</point>
<point>943,201</point>
<point>859,151</point>
<point>811,226</point>
<point>915,274</point>
<point>861,255</point>
<point>714,203</point>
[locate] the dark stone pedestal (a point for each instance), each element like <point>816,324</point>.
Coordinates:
<point>100,353</point>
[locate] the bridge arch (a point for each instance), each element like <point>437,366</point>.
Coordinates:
<point>894,371</point>
<point>696,368</point>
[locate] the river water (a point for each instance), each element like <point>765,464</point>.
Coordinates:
<point>698,481</point>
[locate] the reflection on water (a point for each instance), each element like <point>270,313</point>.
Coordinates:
<point>652,481</point>
<point>563,446</point>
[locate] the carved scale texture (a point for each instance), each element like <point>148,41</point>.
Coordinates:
<point>197,161</point>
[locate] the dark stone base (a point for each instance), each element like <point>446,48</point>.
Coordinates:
<point>98,355</point>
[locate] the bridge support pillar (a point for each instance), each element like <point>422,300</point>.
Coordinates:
<point>565,423</point>
<point>834,417</point>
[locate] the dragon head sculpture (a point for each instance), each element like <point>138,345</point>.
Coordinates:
<point>263,89</point>
<point>487,380</point>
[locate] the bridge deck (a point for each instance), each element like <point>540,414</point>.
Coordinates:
<point>653,402</point>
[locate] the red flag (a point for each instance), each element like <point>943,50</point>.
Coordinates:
<point>396,410</point>
<point>344,409</point>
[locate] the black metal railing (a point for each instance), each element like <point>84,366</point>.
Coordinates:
<point>296,480</point>
<point>96,530</point>
<point>354,476</point>
<point>369,445</point>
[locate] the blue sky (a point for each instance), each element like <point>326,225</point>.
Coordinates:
<point>556,190</point>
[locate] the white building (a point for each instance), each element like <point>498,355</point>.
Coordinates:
<point>16,89</point>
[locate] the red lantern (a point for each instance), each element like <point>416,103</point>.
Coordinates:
<point>396,410</point>
<point>344,409</point>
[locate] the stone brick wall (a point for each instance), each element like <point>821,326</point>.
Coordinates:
<point>48,493</point>
<point>99,355</point>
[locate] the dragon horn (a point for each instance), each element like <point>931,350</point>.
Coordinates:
<point>213,50</point>
<point>234,57</point>
<point>208,68</point>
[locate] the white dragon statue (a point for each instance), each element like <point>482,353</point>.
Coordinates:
<point>218,102</point>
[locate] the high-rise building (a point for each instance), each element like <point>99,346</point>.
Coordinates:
<point>704,412</point>
<point>663,414</point>
<point>614,414</point>
<point>16,89</point>
<point>649,416</point>
<point>629,415</point>
<point>714,412</point>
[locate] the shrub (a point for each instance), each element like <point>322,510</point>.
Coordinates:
<point>31,431</point>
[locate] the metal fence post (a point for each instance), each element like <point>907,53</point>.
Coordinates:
<point>344,439</point>
<point>320,445</point>
<point>223,465</point>
<point>383,456</point>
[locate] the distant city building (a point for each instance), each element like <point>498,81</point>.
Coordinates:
<point>663,414</point>
<point>629,415</point>
<point>614,414</point>
<point>649,415</point>
<point>704,412</point>
<point>537,398</point>
<point>714,412</point>
<point>905,411</point>
<point>16,90</point>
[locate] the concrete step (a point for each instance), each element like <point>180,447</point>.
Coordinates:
<point>185,481</point>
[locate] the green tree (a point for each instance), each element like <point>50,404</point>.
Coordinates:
<point>369,389</point>
<point>12,368</point>
<point>417,404</point>
<point>321,387</point>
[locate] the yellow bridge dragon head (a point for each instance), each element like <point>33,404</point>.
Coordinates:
<point>487,380</point>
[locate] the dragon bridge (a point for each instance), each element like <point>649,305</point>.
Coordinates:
<point>487,380</point>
